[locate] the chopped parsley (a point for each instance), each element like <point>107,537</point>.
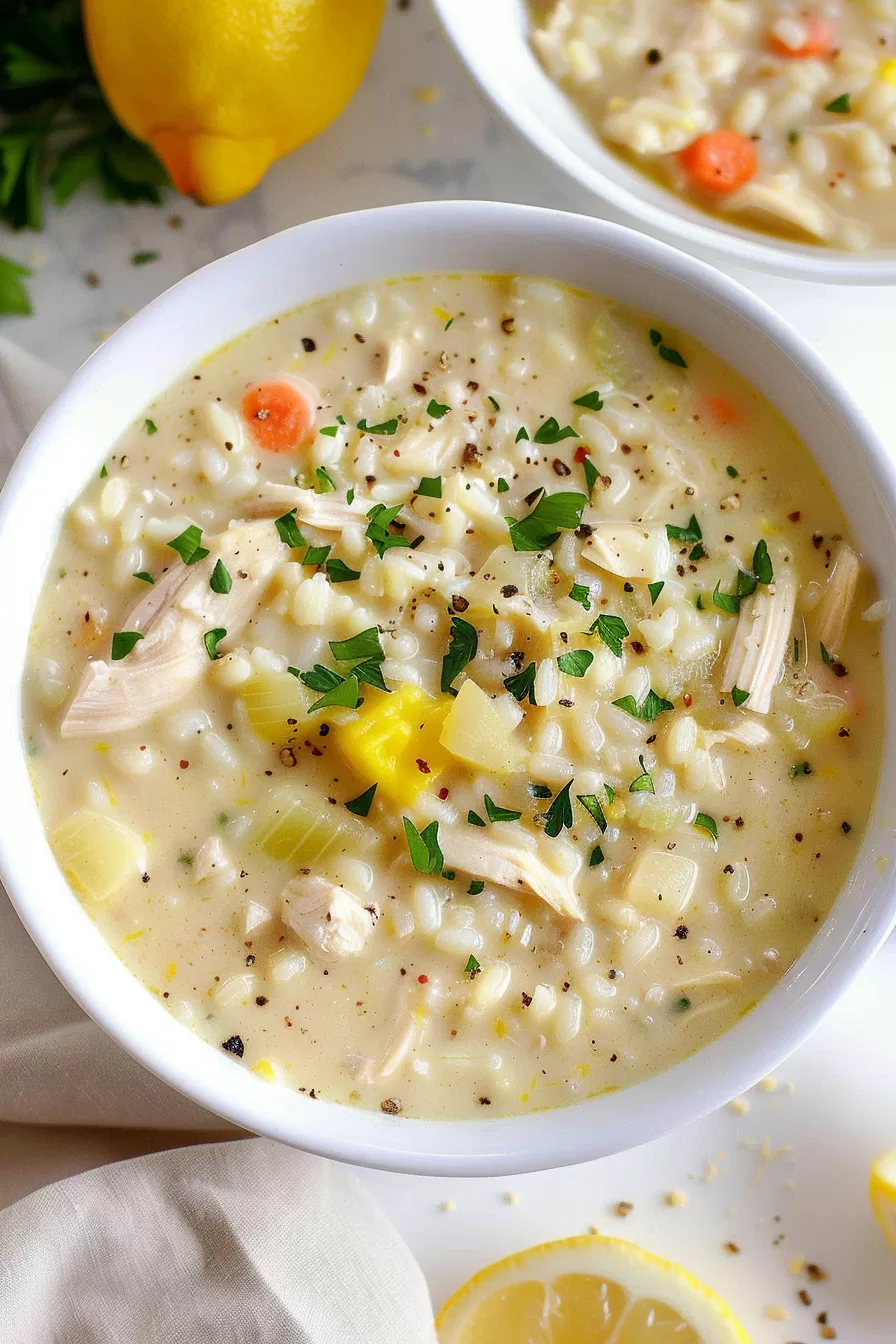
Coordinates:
<point>431,486</point>
<point>476,887</point>
<point>381,519</point>
<point>597,857</point>
<point>611,794</point>
<point>503,486</point>
<point>826,656</point>
<point>522,433</point>
<point>706,823</point>
<point>539,791</point>
<point>495,812</point>
<point>123,642</point>
<point>842,105</point>
<point>559,815</point>
<point>472,967</point>
<point>321,678</point>
<point>738,696</point>
<point>316,555</point>
<point>612,630</point>
<point>151,427</point>
<point>522,684</point>
<point>387,427</point>
<point>339,572</point>
<point>211,639</point>
<point>220,581</point>
<point>728,602</point>
<point>551,515</point>
<point>189,545</point>
<point>493,402</point>
<point>448,323</point>
<point>654,589</point>
<point>699,552</point>
<point>580,593</point>
<point>666,352</point>
<point>591,804</point>
<point>762,564</point>
<point>474,818</point>
<point>576,662</point>
<point>690,533</point>
<point>650,708</point>
<point>591,476</point>
<point>436,409</point>
<point>643,783</point>
<point>592,401</point>
<point>796,650</point>
<point>360,806</point>
<point>801,768</point>
<point>462,647</point>
<point>423,847</point>
<point>360,647</point>
<point>330,430</point>
<point>682,1004</point>
<point>732,472</point>
<point>143,576</point>
<point>144,258</point>
<point>325,483</point>
<point>344,693</point>
<point>104,472</point>
<point>550,432</point>
<point>288,530</point>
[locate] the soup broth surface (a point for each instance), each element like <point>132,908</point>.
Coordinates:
<point>456,697</point>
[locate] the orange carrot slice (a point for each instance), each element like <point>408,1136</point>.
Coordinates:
<point>720,161</point>
<point>821,35</point>
<point>721,411</point>
<point>279,414</point>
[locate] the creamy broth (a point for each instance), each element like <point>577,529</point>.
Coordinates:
<point>774,114</point>
<point>624,755</point>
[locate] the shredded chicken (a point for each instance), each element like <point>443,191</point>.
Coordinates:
<point>213,861</point>
<point>629,550</point>
<point>330,920</point>
<point>327,512</point>
<point>834,609</point>
<point>173,617</point>
<point>509,864</point>
<point>781,198</point>
<point>757,649</point>
<point>749,734</point>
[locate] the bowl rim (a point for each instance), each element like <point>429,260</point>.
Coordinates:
<point>170,1050</point>
<point>691,229</point>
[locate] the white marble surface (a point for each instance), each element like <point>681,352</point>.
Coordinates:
<point>389,147</point>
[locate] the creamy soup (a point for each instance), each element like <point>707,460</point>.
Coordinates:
<point>452,695</point>
<point>774,114</point>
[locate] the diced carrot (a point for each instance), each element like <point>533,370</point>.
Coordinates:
<point>722,411</point>
<point>279,414</point>
<point>821,35</point>
<point>720,161</point>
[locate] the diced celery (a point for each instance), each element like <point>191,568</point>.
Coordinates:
<point>97,854</point>
<point>297,826</point>
<point>273,702</point>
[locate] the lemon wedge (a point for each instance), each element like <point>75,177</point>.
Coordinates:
<point>882,1193</point>
<point>587,1290</point>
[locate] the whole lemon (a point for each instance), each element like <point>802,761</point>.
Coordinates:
<point>222,88</point>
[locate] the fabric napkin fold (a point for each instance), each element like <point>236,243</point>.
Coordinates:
<point>244,1242</point>
<point>56,1066</point>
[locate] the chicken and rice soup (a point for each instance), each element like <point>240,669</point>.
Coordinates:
<point>773,114</point>
<point>457,694</point>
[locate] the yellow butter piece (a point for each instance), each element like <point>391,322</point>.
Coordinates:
<point>887,71</point>
<point>391,734</point>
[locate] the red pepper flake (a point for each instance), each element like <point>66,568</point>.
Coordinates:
<point>185,765</point>
<point>422,979</point>
<point>422,766</point>
<point>581,453</point>
<point>443,794</point>
<point>687,700</point>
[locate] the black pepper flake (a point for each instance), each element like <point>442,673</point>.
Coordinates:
<point>391,1106</point>
<point>653,56</point>
<point>628,588</point>
<point>308,345</point>
<point>560,467</point>
<point>584,530</point>
<point>234,1045</point>
<point>509,590</point>
<point>728,869</point>
<point>485,1101</point>
<point>845,827</point>
<point>250,960</point>
<point>681,932</point>
<point>261,1000</point>
<point>526,998</point>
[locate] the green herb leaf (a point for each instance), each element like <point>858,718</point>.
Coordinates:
<point>325,483</point>
<point>522,433</point>
<point>476,888</point>
<point>597,857</point>
<point>746,583</point>
<point>449,323</point>
<point>592,401</point>
<point>698,602</point>
<point>316,555</point>
<point>539,791</point>
<point>738,696</point>
<point>293,671</point>
<point>462,648</point>
<point>345,694</point>
<point>288,530</point>
<point>329,430</point>
<point>220,581</point>
<point>581,593</point>
<point>359,647</point>
<point>612,630</point>
<point>350,495</point>
<point>842,105</point>
<point>705,822</point>
<point>212,639</point>
<point>796,650</point>
<point>360,806</point>
<point>381,519</point>
<point>472,967</point>
<point>690,533</point>
<point>551,515</point>
<point>682,1004</point>
<point>801,768</point>
<point>430,486</point>
<point>122,643</point>
<point>13,294</point>
<point>144,258</point>
<point>654,589</point>
<point>493,402</point>
<point>423,847</point>
<point>474,819</point>
<point>611,794</point>
<point>826,655</point>
<point>387,427</point>
<point>651,707</point>
<point>522,684</point>
<point>503,487</point>
<point>495,812</point>
<point>559,814</point>
<point>321,678</point>
<point>762,564</point>
<point>591,476</point>
<point>371,673</point>
<point>550,432</point>
<point>436,409</point>
<point>142,575</point>
<point>699,552</point>
<point>732,472</point>
<point>188,545</point>
<point>104,472</point>
<point>729,602</point>
<point>591,804</point>
<point>151,427</point>
<point>643,783</point>
<point>339,572</point>
<point>576,662</point>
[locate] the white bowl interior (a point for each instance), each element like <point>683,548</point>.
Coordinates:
<point>492,41</point>
<point>218,303</point>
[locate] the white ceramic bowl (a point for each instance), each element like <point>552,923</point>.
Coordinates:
<point>213,306</point>
<point>491,38</point>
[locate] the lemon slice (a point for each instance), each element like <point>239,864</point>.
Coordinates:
<point>586,1290</point>
<point>882,1192</point>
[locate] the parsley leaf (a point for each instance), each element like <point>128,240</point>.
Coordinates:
<point>493,402</point>
<point>762,564</point>
<point>522,433</point>
<point>462,648</point>
<point>539,791</point>
<point>654,589</point>
<point>387,427</point>
<point>188,545</point>
<point>581,593</point>
<point>706,823</point>
<point>288,530</point>
<point>325,483</point>
<point>732,472</point>
<point>729,602</point>
<point>738,696</point>
<point>559,814</point>
<point>330,430</point>
<point>360,806</point>
<point>476,888</point>
<point>649,709</point>
<point>321,678</point>
<point>666,352</point>
<point>142,574</point>
<point>698,553</point>
<point>522,684</point>
<point>801,768</point>
<point>576,662</point>
<point>591,476</point>
<point>472,967</point>
<point>550,432</point>
<point>13,294</point>
<point>503,486</point>
<point>495,812</point>
<point>151,427</point>
<point>316,555</point>
<point>123,642</point>
<point>430,486</point>
<point>211,639</point>
<point>826,656</point>
<point>362,646</point>
<point>381,519</point>
<point>144,258</point>
<point>612,630</point>
<point>474,819</point>
<point>591,804</point>
<point>423,847</point>
<point>643,783</point>
<point>592,401</point>
<point>597,857</point>
<point>552,513</point>
<point>220,581</point>
<point>436,409</point>
<point>371,673</point>
<point>339,572</point>
<point>344,693</point>
<point>843,104</point>
<point>690,533</point>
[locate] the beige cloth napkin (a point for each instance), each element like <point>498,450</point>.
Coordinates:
<point>231,1243</point>
<point>56,1066</point>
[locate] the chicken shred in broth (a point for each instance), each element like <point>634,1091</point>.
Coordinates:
<point>454,697</point>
